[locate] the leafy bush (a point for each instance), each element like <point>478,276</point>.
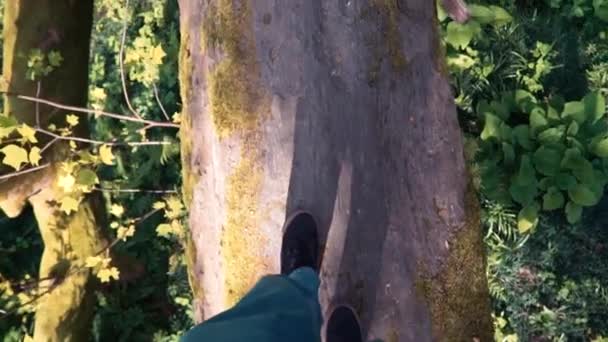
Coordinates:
<point>547,156</point>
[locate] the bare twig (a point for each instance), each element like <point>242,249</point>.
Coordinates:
<point>160,104</point>
<point>54,140</point>
<point>121,62</point>
<point>38,105</point>
<point>137,190</point>
<point>149,123</point>
<point>24,171</point>
<point>99,142</point>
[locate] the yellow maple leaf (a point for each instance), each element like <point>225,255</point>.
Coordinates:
<point>157,54</point>
<point>69,204</point>
<point>14,156</point>
<point>35,155</point>
<point>164,230</point>
<point>28,133</point>
<point>124,232</point>
<point>66,182</point>
<point>158,205</point>
<point>176,227</point>
<point>72,120</point>
<point>73,145</point>
<point>177,118</point>
<point>93,261</point>
<point>117,210</point>
<point>107,273</point>
<point>174,207</point>
<point>105,154</point>
<point>114,225</point>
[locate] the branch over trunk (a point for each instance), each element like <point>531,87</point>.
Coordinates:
<point>341,108</point>
<point>65,313</point>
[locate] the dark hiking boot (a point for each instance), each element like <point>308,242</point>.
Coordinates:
<point>300,243</point>
<point>343,326</point>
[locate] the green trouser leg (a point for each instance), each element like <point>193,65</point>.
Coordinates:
<point>278,308</point>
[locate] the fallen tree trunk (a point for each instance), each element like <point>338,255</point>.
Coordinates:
<point>341,108</point>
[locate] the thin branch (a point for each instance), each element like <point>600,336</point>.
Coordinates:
<point>38,105</point>
<point>48,145</point>
<point>24,171</point>
<point>160,104</point>
<point>137,191</point>
<point>99,142</point>
<point>94,111</point>
<point>121,62</point>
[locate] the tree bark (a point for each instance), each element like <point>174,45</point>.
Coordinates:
<point>341,108</point>
<point>64,313</point>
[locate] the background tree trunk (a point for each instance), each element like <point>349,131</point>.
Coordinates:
<point>341,108</point>
<point>65,313</point>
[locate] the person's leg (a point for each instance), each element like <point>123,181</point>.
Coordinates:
<point>280,307</point>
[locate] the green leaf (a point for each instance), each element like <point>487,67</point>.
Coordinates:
<point>481,13</point>
<point>600,149</point>
<point>501,17</point>
<point>565,181</point>
<point>573,212</point>
<point>460,61</point>
<point>509,153</point>
<point>582,195</point>
<point>600,9</point>
<point>525,101</point>
<point>547,161</point>
<point>572,128</point>
<point>527,218</point>
<point>526,174</point>
<point>574,110</point>
<point>86,177</point>
<point>523,194</point>
<point>552,135</point>
<point>552,113</point>
<point>537,122</point>
<point>491,128</point>
<point>501,109</point>
<point>573,159</point>
<point>521,135</point>
<point>595,106</point>
<point>460,35</point>
<point>553,199</point>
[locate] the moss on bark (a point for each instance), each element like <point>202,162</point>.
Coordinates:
<point>457,296</point>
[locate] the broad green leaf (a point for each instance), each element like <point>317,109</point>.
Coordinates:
<point>14,156</point>
<point>545,183</point>
<point>527,218</point>
<point>600,9</point>
<point>491,128</point>
<point>501,109</point>
<point>572,128</point>
<point>441,14</point>
<point>501,16</point>
<point>601,148</point>
<point>582,195</point>
<point>526,174</point>
<point>523,194</point>
<point>585,172</point>
<point>573,159</point>
<point>509,153</point>
<point>481,13</point>
<point>506,132</point>
<point>573,212</point>
<point>565,181</point>
<point>574,143</point>
<point>552,135</point>
<point>86,177</point>
<point>460,35</point>
<point>7,125</point>
<point>595,106</point>
<point>552,113</point>
<point>574,110</point>
<point>537,122</point>
<point>525,101</point>
<point>521,135</point>
<point>553,199</point>
<point>547,161</point>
